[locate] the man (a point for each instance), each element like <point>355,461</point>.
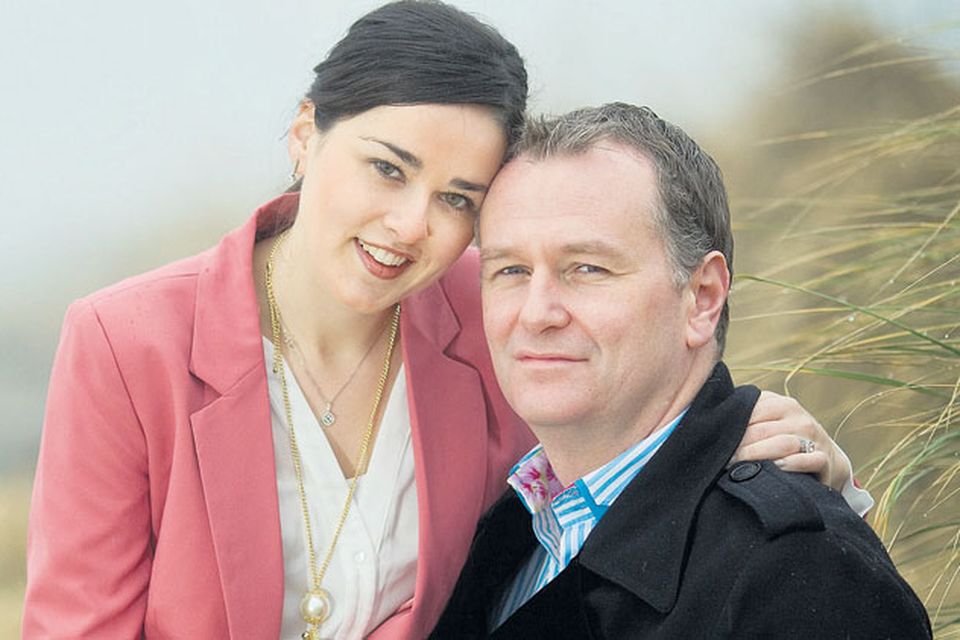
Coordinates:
<point>606,252</point>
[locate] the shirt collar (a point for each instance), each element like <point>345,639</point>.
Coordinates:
<point>537,486</point>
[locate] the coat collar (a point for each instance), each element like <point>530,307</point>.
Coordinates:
<point>232,432</point>
<point>226,330</point>
<point>641,544</point>
<point>429,316</point>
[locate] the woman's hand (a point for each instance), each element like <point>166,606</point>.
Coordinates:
<point>780,429</point>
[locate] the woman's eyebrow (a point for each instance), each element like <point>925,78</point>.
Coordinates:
<point>466,185</point>
<point>403,154</point>
<point>408,158</point>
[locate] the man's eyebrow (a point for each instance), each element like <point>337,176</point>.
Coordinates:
<point>598,247</point>
<point>401,153</point>
<point>493,254</point>
<point>588,247</point>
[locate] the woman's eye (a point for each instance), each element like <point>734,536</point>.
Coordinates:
<point>387,169</point>
<point>458,201</point>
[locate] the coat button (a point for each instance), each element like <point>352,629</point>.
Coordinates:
<point>744,471</point>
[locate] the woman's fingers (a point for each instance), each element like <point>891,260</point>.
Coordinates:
<point>816,463</point>
<point>782,430</point>
<point>774,447</point>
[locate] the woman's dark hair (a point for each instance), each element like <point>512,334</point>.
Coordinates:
<point>420,52</point>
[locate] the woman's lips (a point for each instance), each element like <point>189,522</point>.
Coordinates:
<point>380,261</point>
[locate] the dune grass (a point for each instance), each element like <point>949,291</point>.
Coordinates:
<point>854,307</point>
<point>14,502</point>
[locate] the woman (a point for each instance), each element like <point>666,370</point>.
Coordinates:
<point>257,440</point>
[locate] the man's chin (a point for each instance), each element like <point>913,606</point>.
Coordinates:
<point>550,411</point>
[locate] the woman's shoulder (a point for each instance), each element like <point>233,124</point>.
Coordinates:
<point>173,291</point>
<point>461,282</point>
<point>180,274</point>
<point>150,297</point>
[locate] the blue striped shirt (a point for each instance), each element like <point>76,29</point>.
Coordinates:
<point>564,517</point>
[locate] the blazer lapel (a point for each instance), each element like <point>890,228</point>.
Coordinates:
<point>235,455</point>
<point>232,432</point>
<point>448,422</point>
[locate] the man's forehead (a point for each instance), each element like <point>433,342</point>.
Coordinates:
<point>606,181</point>
<point>604,166</point>
<point>601,152</point>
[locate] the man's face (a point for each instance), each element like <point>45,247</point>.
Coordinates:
<point>583,318</point>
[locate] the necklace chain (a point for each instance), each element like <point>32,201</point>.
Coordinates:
<point>315,606</point>
<point>327,416</point>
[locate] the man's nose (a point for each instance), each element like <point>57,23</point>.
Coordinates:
<point>544,307</point>
<point>408,219</point>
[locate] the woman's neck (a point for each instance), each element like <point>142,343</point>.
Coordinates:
<point>320,323</point>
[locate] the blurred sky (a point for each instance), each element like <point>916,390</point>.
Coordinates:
<point>132,132</point>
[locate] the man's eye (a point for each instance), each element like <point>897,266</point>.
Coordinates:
<point>590,268</point>
<point>511,271</point>
<point>387,169</point>
<point>458,201</point>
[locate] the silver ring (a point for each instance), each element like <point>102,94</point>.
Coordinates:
<point>807,446</point>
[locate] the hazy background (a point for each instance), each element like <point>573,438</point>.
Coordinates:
<point>133,133</point>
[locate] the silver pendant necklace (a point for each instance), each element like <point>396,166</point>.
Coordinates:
<point>327,416</point>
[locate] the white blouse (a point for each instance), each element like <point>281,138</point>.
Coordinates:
<point>374,566</point>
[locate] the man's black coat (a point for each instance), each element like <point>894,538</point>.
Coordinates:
<point>692,550</point>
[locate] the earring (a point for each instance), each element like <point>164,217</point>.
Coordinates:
<point>293,174</point>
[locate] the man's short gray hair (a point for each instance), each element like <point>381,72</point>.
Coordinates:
<point>693,215</point>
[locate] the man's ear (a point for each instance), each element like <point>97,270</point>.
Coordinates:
<point>708,286</point>
<point>301,130</point>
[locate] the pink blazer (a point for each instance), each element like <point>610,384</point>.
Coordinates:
<point>155,504</point>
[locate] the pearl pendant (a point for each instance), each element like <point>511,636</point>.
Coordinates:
<point>327,418</point>
<point>315,606</point>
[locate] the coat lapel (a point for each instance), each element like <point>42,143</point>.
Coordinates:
<point>448,422</point>
<point>503,541</point>
<point>232,432</point>
<point>556,611</point>
<point>235,454</point>
<point>641,543</point>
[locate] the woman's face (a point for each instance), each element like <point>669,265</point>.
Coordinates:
<point>390,196</point>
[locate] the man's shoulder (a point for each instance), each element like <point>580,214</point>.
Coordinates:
<point>802,549</point>
<point>773,503</point>
<point>777,502</point>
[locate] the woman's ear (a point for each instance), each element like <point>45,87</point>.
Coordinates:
<point>301,130</point>
<point>709,285</point>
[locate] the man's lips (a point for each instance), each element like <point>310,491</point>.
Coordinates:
<point>530,357</point>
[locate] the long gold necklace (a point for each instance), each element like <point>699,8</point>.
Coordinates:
<point>315,605</point>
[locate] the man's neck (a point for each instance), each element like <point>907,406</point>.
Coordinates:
<point>575,450</point>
